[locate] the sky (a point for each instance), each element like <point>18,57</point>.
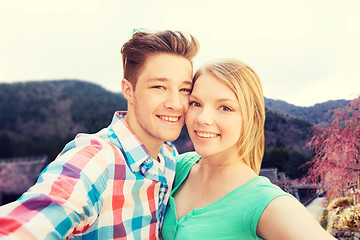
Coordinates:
<point>304,51</point>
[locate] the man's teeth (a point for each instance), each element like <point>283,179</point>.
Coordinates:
<point>170,119</point>
<point>206,135</point>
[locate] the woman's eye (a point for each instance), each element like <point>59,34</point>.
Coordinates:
<point>195,104</point>
<point>225,108</point>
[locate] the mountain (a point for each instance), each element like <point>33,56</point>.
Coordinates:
<point>286,131</point>
<point>39,118</point>
<point>62,108</point>
<point>314,114</point>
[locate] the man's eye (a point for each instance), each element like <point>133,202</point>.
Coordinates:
<point>158,87</point>
<point>186,90</point>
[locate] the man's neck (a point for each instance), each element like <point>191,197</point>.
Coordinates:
<point>153,149</point>
<point>151,144</point>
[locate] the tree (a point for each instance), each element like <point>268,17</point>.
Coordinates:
<point>336,165</point>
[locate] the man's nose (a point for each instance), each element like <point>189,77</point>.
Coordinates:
<point>175,101</point>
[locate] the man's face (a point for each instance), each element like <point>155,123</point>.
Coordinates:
<point>160,98</point>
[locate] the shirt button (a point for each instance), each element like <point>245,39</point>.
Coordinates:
<point>161,195</point>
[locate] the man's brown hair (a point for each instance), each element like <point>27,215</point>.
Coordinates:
<point>136,50</point>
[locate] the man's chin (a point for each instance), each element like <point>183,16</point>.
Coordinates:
<point>171,138</point>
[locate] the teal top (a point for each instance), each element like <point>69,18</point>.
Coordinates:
<point>234,216</point>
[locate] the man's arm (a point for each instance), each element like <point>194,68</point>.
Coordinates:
<point>66,199</point>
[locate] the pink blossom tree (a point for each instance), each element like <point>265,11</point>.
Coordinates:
<point>336,165</point>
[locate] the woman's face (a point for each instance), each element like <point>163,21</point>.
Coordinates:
<point>213,118</point>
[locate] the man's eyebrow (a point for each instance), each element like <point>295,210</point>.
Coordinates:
<point>160,79</point>
<point>188,82</point>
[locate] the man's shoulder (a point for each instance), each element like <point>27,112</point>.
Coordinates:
<point>83,140</point>
<point>90,145</point>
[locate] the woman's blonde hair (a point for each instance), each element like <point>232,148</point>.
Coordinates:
<point>246,85</point>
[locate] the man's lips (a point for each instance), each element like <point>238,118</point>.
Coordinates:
<point>169,118</point>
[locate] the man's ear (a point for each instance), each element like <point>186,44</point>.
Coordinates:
<point>127,89</point>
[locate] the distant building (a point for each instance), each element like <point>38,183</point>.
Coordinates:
<point>277,178</point>
<point>18,174</point>
<point>305,193</point>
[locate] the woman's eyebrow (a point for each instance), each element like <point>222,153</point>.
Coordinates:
<point>226,100</point>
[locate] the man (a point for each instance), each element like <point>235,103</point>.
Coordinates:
<point>115,184</point>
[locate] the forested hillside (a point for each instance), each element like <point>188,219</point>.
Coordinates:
<point>39,118</point>
<point>314,114</point>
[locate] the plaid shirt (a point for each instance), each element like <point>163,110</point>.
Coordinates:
<point>101,186</point>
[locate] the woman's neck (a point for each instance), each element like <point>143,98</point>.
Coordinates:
<point>221,160</point>
<point>211,168</point>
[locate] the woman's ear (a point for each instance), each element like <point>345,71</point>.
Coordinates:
<point>127,89</point>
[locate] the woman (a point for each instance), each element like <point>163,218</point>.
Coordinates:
<point>217,191</point>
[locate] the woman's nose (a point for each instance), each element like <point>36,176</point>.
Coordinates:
<point>205,117</point>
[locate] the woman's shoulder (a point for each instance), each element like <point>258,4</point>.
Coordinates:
<point>187,159</point>
<point>260,190</point>
<point>184,163</point>
<point>266,188</point>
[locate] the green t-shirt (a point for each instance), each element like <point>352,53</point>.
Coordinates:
<point>234,216</point>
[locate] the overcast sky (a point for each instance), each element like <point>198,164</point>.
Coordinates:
<point>305,51</point>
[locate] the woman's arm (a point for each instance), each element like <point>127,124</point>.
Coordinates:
<point>286,218</point>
